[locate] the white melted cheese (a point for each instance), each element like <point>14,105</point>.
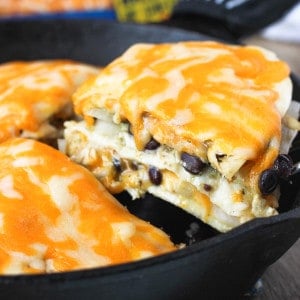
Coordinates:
<point>24,162</point>
<point>2,223</point>
<point>21,148</point>
<point>60,193</point>
<point>226,212</point>
<point>124,231</point>
<point>7,188</point>
<point>41,81</point>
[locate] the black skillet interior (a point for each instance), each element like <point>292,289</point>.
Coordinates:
<point>213,265</point>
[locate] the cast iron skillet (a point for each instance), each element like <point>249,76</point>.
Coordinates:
<point>212,266</point>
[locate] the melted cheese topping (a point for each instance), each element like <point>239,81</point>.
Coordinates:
<point>55,216</point>
<point>205,98</point>
<point>9,7</point>
<point>31,92</point>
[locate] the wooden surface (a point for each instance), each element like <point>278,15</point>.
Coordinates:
<point>282,279</point>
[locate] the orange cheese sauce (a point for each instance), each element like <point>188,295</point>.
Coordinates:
<point>10,7</point>
<point>55,216</point>
<point>205,92</point>
<point>31,92</point>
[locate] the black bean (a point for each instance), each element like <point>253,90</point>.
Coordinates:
<point>220,157</point>
<point>117,164</point>
<point>207,187</point>
<point>283,165</point>
<point>155,175</point>
<point>152,144</point>
<point>268,181</point>
<point>192,163</point>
